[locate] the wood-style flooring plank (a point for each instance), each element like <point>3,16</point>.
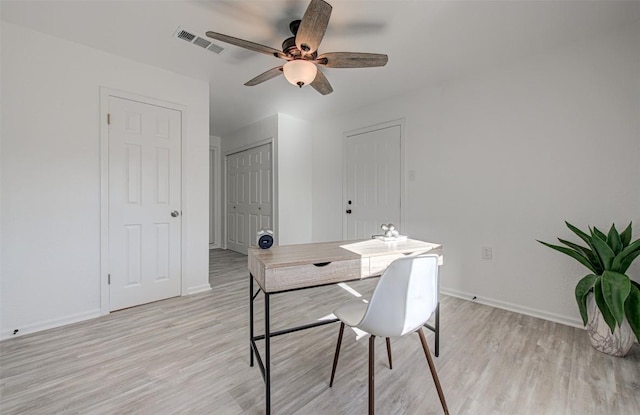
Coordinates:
<point>190,355</point>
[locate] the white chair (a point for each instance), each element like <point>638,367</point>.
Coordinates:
<point>403,301</point>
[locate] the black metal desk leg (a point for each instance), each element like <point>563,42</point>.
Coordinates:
<point>267,357</point>
<point>437,330</point>
<point>250,319</point>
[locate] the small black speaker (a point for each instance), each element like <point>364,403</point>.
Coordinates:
<point>264,238</point>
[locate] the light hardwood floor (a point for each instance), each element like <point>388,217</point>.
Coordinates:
<point>190,355</point>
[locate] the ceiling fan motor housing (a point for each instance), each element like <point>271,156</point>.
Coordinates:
<point>289,47</point>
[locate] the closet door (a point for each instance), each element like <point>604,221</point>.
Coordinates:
<point>260,204</point>
<point>249,196</point>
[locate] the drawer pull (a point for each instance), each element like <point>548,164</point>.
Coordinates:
<point>322,264</point>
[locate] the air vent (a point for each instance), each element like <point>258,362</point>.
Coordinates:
<point>197,40</point>
<point>183,34</point>
<point>203,43</point>
<point>215,48</point>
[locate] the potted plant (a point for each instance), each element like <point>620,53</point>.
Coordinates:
<point>607,298</point>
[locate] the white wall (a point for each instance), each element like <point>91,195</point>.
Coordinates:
<point>214,141</point>
<point>503,159</point>
<point>294,180</point>
<point>291,140</point>
<point>250,135</point>
<point>51,174</point>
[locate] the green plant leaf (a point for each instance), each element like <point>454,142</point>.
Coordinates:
<point>626,263</point>
<point>583,235</point>
<point>596,231</point>
<point>587,238</point>
<point>615,289</point>
<point>603,250</point>
<point>602,305</point>
<point>584,286</point>
<point>625,236</point>
<point>587,253</point>
<point>613,240</point>
<point>573,254</point>
<point>632,310</point>
<point>626,257</point>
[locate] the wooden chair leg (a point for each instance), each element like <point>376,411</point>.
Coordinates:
<point>371,370</point>
<point>389,353</point>
<point>432,367</point>
<point>335,357</point>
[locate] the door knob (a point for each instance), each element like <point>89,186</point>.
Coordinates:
<point>348,211</point>
<point>175,214</point>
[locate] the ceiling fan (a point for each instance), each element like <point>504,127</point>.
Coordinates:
<point>301,52</point>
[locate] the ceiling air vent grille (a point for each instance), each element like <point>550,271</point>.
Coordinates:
<point>197,40</point>
<point>183,34</point>
<point>203,43</point>
<point>215,48</point>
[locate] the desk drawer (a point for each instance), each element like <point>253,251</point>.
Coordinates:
<point>308,275</point>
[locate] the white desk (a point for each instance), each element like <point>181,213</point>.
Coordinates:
<point>295,267</point>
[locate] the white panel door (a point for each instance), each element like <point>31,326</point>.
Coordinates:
<point>144,203</point>
<point>259,207</point>
<point>373,182</point>
<point>249,196</point>
<point>237,195</point>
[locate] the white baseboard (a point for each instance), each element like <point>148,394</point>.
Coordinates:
<point>556,318</point>
<point>50,324</point>
<point>198,289</point>
<point>75,318</point>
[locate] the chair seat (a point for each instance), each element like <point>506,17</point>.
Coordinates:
<point>351,313</point>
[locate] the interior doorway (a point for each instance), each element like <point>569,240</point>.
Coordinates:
<point>249,196</point>
<point>373,180</point>
<point>213,197</point>
<point>144,214</point>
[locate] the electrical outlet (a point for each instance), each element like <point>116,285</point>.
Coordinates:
<point>487,252</point>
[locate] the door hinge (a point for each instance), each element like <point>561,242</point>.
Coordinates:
<point>108,119</point>
<point>109,279</point>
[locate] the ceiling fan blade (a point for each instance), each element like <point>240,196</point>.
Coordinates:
<point>313,25</point>
<point>256,47</point>
<point>321,84</point>
<point>271,73</point>
<point>352,60</point>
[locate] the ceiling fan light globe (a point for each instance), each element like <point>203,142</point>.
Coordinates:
<point>300,72</point>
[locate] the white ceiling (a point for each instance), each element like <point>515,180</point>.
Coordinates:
<point>427,42</point>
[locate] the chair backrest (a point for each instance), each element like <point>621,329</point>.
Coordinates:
<point>405,297</point>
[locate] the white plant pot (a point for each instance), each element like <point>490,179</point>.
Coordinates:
<point>615,344</point>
